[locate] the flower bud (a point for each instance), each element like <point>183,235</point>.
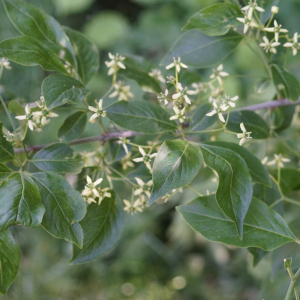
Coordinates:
<point>274,9</point>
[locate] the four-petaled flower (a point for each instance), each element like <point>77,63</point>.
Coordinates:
<point>179,114</point>
<point>250,7</point>
<point>219,74</point>
<point>164,97</point>
<point>156,73</point>
<point>126,161</point>
<point>229,101</point>
<point>183,92</point>
<point>269,46</point>
<point>248,23</point>
<point>115,64</point>
<point>144,187</point>
<point>276,29</point>
<point>218,109</point>
<point>97,111</point>
<point>28,116</point>
<point>123,141</point>
<point>133,207</point>
<point>5,63</point>
<point>146,158</point>
<point>121,90</point>
<point>295,45</point>
<point>90,187</point>
<point>177,64</point>
<point>279,160</point>
<point>245,135</point>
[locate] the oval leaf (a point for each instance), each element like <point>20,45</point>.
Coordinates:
<point>59,158</point>
<point>176,164</point>
<point>286,83</point>
<point>235,190</point>
<point>216,19</point>
<point>87,55</point>
<point>140,116</point>
<point>9,260</point>
<point>200,120</point>
<point>73,127</point>
<point>201,51</point>
<point>102,227</point>
<point>263,227</point>
<point>20,201</point>
<point>59,89</point>
<point>252,121</point>
<point>7,152</point>
<point>257,171</point>
<point>64,207</point>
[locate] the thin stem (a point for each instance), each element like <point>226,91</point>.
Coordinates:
<point>205,131</point>
<point>286,144</point>
<point>8,113</point>
<point>195,191</point>
<point>293,285</point>
<point>121,175</point>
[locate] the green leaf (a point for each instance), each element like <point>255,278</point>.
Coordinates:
<point>136,72</point>
<point>87,54</point>
<point>258,255</point>
<point>102,227</point>
<point>64,207</point>
<point>200,120</point>
<point>4,172</point>
<point>59,89</point>
<point>176,164</point>
<point>28,51</point>
<point>266,194</point>
<point>289,180</point>
<point>73,127</point>
<point>16,107</point>
<point>257,171</point>
<point>9,260</point>
<point>283,117</point>
<point>286,83</point>
<point>253,122</point>
<point>58,157</point>
<point>116,150</point>
<point>20,201</point>
<point>201,51</point>
<point>7,152</point>
<point>216,19</point>
<point>263,227</point>
<point>234,192</point>
<point>32,22</point>
<point>140,116</point>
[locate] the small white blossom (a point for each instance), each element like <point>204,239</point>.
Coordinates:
<point>144,187</point>
<point>183,92</point>
<point>97,111</point>
<point>28,116</point>
<point>269,46</point>
<point>146,158</point>
<point>171,79</point>
<point>90,187</point>
<point>123,141</point>
<point>179,114</point>
<point>9,136</point>
<point>199,87</point>
<point>243,136</point>
<point>5,63</point>
<point>156,73</point>
<point>176,64</point>
<point>126,161</point>
<point>164,97</point>
<point>250,7</point>
<point>274,9</point>
<point>229,101</point>
<point>276,29</point>
<point>133,207</point>
<point>279,160</point>
<point>295,45</point>
<point>121,90</point>
<point>115,64</point>
<point>264,160</point>
<point>216,93</point>
<point>218,109</point>
<point>247,23</point>
<point>103,194</point>
<point>219,74</point>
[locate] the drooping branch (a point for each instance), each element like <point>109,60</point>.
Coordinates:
<point>115,135</point>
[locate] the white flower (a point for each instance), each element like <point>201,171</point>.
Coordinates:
<point>264,160</point>
<point>243,136</point>
<point>156,73</point>
<point>123,141</point>
<point>90,187</point>
<point>249,8</point>
<point>103,193</point>
<point>171,79</point>
<point>279,160</point>
<point>295,45</point>
<point>179,114</point>
<point>146,158</point>
<point>144,187</point>
<point>199,87</point>
<point>276,29</point>
<point>115,64</point>
<point>248,23</point>
<point>164,97</point>
<point>122,91</point>
<point>126,162</point>
<point>274,9</point>
<point>183,92</point>
<point>5,63</point>
<point>97,111</point>
<point>177,64</point>
<point>229,101</point>
<point>215,93</point>
<point>134,207</point>
<point>218,109</point>
<point>219,74</point>
<point>9,136</point>
<point>28,116</point>
<point>269,46</point>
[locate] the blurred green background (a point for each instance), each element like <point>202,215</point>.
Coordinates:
<point>158,257</point>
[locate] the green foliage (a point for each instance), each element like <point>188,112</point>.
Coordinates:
<point>6,149</point>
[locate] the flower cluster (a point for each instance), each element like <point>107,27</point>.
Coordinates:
<point>121,90</point>
<point>115,64</point>
<point>146,158</point>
